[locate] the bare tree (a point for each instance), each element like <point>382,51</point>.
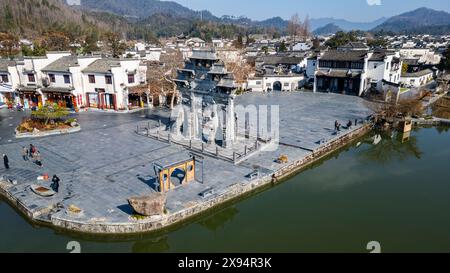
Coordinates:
<point>392,111</point>
<point>241,71</point>
<point>298,28</point>
<point>116,46</point>
<point>160,75</point>
<point>9,45</point>
<point>306,27</point>
<point>294,26</point>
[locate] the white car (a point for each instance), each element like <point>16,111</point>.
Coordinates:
<point>3,105</point>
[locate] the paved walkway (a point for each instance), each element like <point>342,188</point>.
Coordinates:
<point>106,163</point>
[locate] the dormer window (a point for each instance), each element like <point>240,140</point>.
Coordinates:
<point>66,79</point>
<point>91,78</point>
<point>5,78</point>
<point>52,78</point>
<point>130,78</point>
<point>108,79</point>
<point>31,78</point>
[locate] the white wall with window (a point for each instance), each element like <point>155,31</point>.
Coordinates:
<point>275,83</point>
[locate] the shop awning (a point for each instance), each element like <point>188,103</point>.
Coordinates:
<point>338,74</point>
<point>67,91</point>
<point>27,89</point>
<point>138,90</point>
<point>6,88</point>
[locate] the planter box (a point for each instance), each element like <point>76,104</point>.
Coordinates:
<point>48,133</point>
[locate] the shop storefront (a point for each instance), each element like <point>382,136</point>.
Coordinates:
<point>101,100</point>
<point>135,101</point>
<point>62,97</point>
<point>30,98</point>
<point>7,94</point>
<point>137,97</point>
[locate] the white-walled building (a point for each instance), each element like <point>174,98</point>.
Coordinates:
<point>417,79</point>
<point>275,83</point>
<point>195,42</point>
<point>302,46</point>
<point>31,78</point>
<point>342,71</point>
<point>423,55</point>
<point>218,43</point>
<point>9,80</point>
<point>384,65</point>
<point>151,54</point>
<point>106,83</point>
<point>63,82</point>
<point>311,65</point>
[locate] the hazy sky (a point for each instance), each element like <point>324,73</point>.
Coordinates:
<point>355,10</point>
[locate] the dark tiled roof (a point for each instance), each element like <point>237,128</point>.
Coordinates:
<point>276,60</point>
<point>338,73</point>
<point>102,66</point>
<point>204,55</point>
<point>411,61</point>
<point>418,73</point>
<point>336,55</point>
<point>378,57</point>
<point>57,90</point>
<point>380,54</point>
<point>218,69</point>
<point>5,63</point>
<point>355,45</point>
<point>226,82</point>
<point>63,64</point>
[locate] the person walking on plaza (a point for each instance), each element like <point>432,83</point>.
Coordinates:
<point>6,161</point>
<point>349,124</point>
<point>55,183</point>
<point>37,158</point>
<point>31,151</point>
<point>25,153</point>
<point>336,124</point>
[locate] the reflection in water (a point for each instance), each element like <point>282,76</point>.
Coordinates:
<point>397,146</point>
<point>441,108</point>
<point>155,245</point>
<point>443,129</point>
<point>219,219</point>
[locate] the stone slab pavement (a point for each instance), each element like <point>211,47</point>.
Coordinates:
<point>106,162</point>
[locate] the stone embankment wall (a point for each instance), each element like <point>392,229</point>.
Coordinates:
<point>234,192</point>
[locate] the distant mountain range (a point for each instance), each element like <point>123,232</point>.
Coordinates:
<point>32,17</point>
<point>346,25</point>
<point>328,29</point>
<point>138,18</point>
<point>422,20</point>
<point>142,9</point>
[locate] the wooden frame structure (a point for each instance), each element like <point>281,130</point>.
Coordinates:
<point>164,173</point>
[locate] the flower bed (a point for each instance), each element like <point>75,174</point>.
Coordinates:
<point>30,125</point>
<point>37,128</point>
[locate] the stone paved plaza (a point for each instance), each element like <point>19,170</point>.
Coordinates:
<point>107,162</point>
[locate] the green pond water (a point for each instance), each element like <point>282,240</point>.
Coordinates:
<point>396,193</point>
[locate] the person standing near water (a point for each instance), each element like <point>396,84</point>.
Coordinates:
<point>6,161</point>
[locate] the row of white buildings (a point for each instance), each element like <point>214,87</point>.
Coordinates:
<point>352,69</point>
<point>71,81</point>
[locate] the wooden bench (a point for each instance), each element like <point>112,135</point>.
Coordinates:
<point>206,193</point>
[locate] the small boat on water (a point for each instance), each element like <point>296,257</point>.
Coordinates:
<point>42,191</point>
